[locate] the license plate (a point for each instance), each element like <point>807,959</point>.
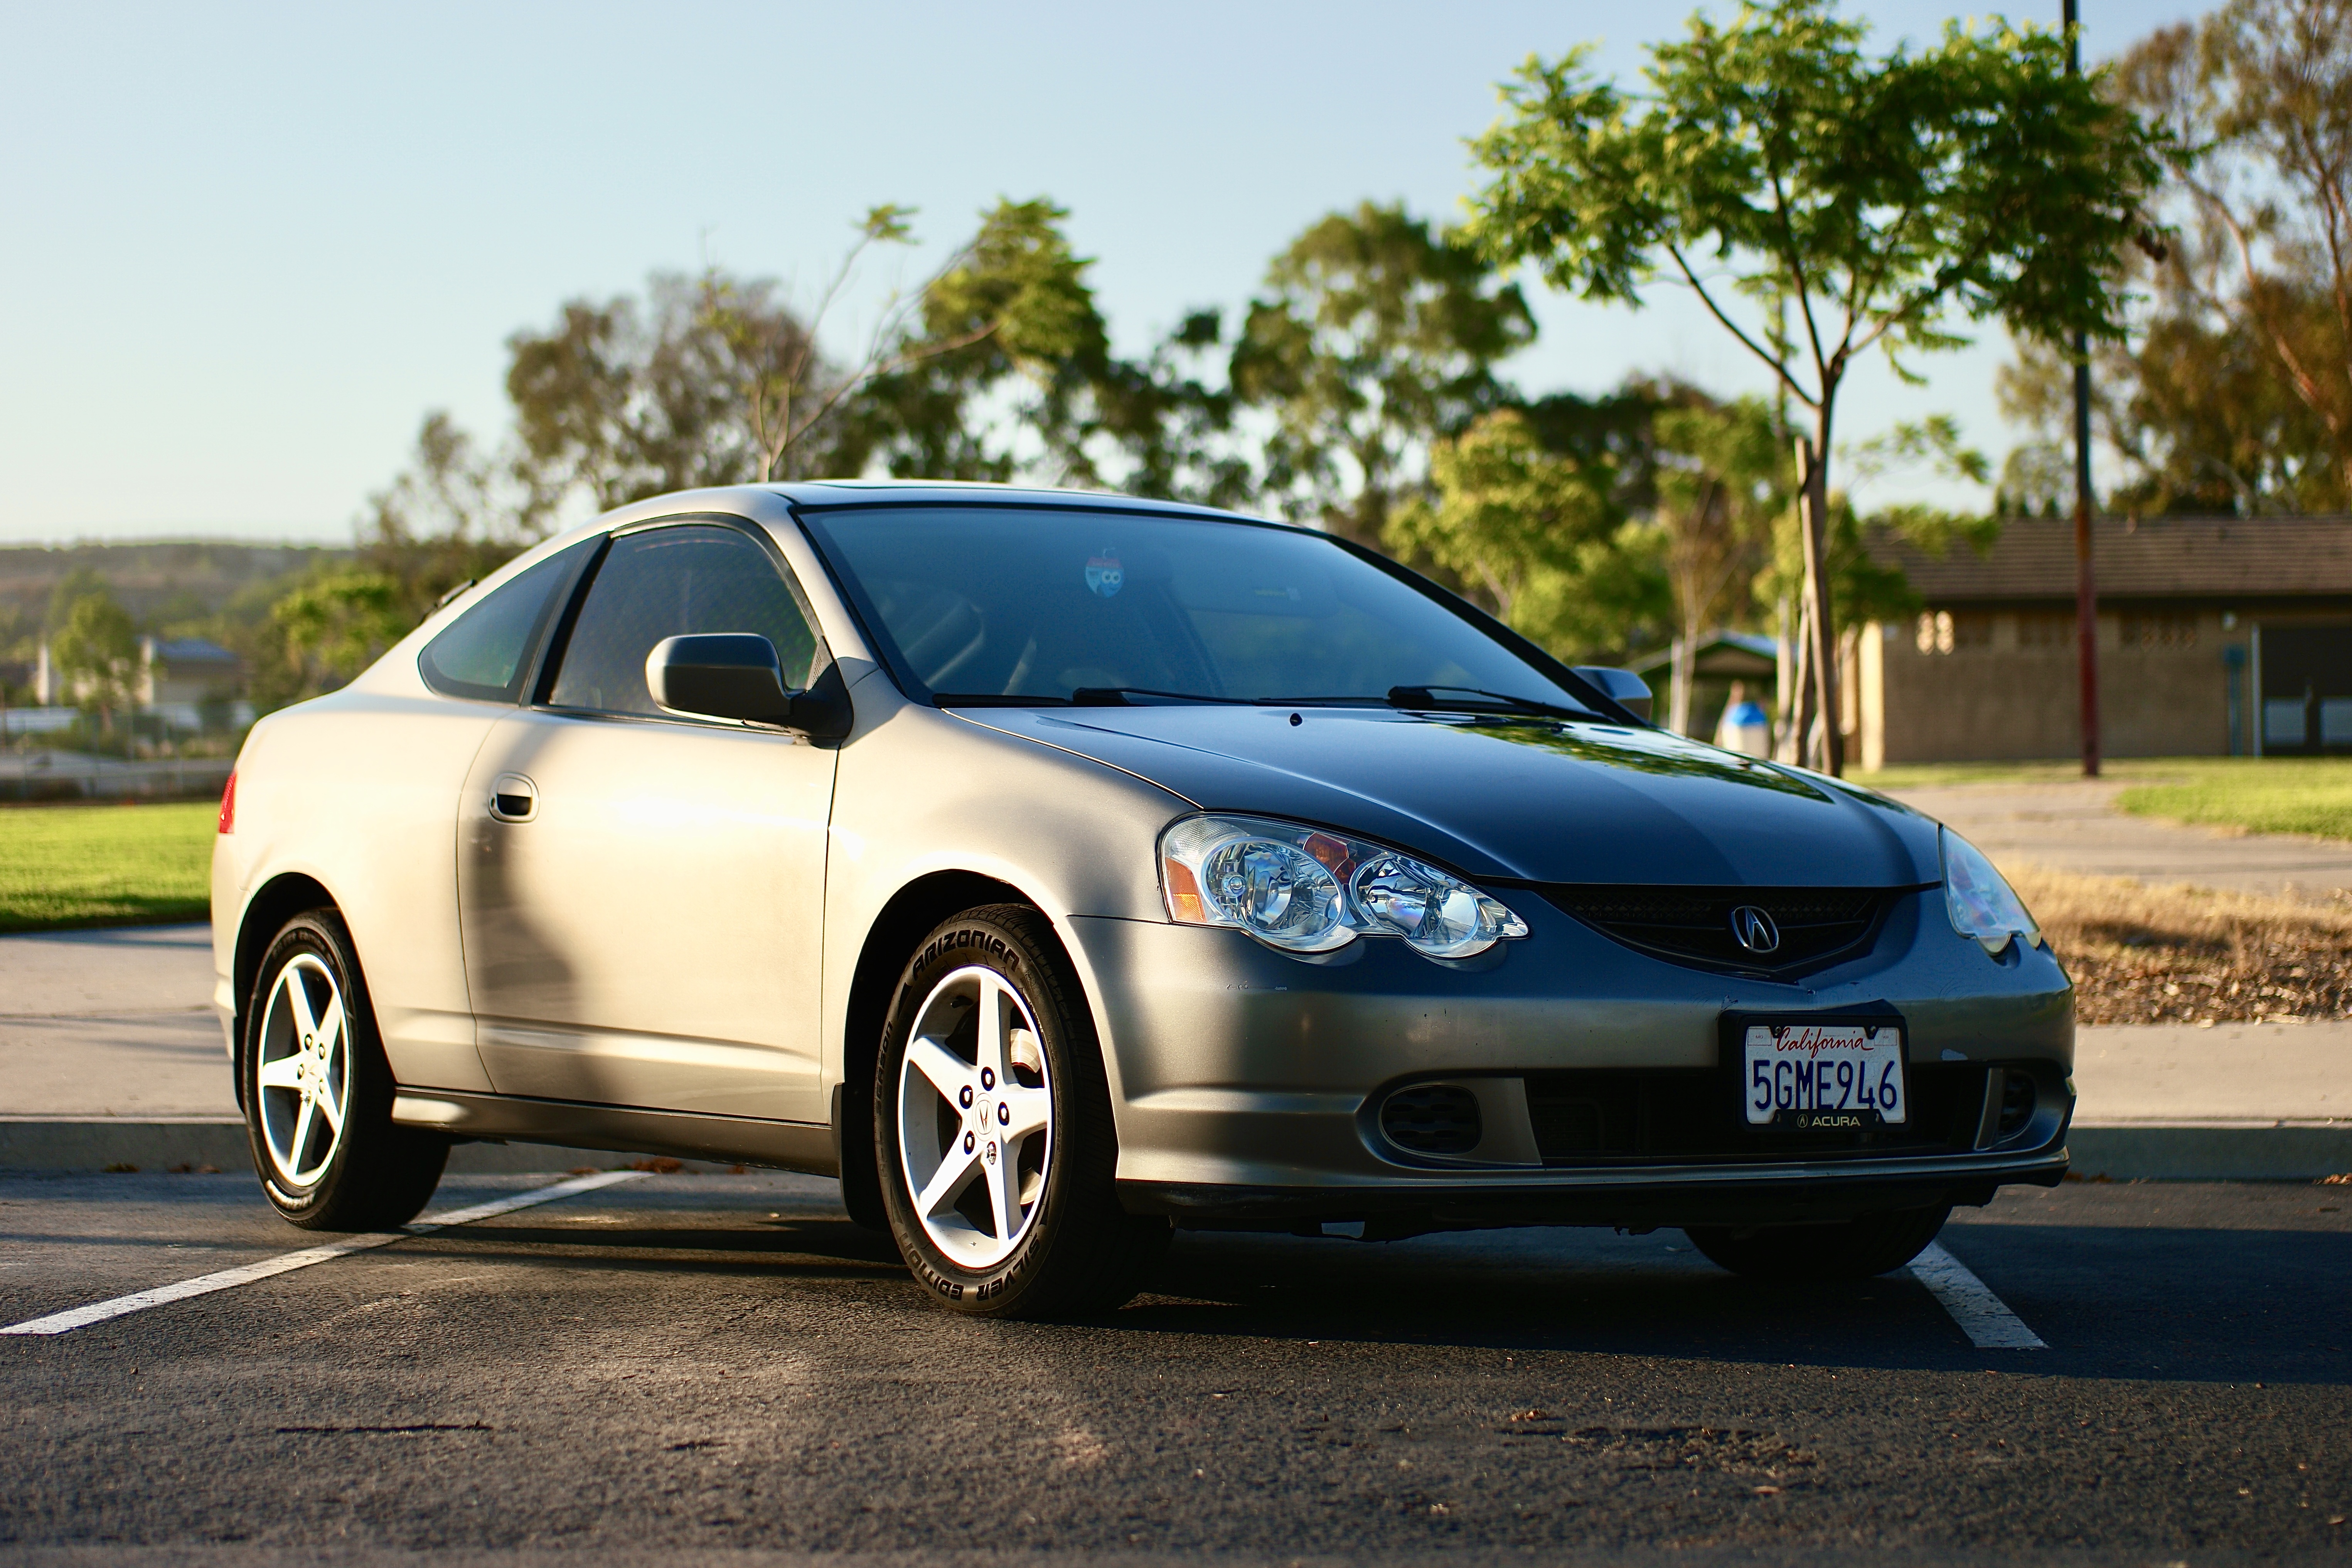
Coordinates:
<point>1819,1077</point>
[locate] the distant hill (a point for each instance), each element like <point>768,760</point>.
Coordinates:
<point>160,583</point>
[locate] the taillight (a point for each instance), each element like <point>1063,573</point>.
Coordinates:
<point>228,804</point>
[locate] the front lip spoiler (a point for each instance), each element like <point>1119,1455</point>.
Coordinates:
<point>1655,1195</point>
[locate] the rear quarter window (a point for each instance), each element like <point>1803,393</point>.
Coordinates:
<point>486,653</point>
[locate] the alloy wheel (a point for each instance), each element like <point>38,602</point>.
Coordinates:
<point>975,1117</point>
<point>303,1074</point>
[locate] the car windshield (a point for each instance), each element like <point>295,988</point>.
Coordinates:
<point>1002,603</point>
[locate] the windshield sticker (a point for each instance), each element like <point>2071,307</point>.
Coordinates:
<point>1105,577</point>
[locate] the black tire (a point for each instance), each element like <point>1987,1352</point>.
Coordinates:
<point>1874,1243</point>
<point>1080,1252</point>
<point>861,1174</point>
<point>373,1175</point>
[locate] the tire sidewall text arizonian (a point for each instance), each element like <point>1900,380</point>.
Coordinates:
<point>1079,1251</point>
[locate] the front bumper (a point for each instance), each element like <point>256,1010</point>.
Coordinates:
<point>1644,1199</point>
<point>1247,1082</point>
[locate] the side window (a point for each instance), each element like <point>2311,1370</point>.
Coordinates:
<point>486,652</point>
<point>671,582</point>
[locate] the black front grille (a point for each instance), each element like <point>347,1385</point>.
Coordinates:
<point>1694,925</point>
<point>1433,1118</point>
<point>1605,1116</point>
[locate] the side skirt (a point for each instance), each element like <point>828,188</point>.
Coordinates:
<point>804,1146</point>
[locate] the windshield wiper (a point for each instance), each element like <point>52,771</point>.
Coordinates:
<point>1432,698</point>
<point>993,700</point>
<point>1124,696</point>
<point>1084,697</point>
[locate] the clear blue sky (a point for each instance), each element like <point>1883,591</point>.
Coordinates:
<point>247,247</point>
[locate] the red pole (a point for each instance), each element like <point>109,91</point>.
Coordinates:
<point>2086,590</point>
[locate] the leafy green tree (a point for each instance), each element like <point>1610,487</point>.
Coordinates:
<point>1531,535</point>
<point>1166,421</point>
<point>453,515</point>
<point>1013,300</point>
<point>2259,99</point>
<point>626,399</point>
<point>78,584</point>
<point>2235,395</point>
<point>97,650</point>
<point>1010,320</point>
<point>1821,202</point>
<point>785,386</point>
<point>2037,480</point>
<point>1375,336</point>
<point>325,632</point>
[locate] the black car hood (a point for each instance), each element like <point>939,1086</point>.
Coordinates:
<point>1529,800</point>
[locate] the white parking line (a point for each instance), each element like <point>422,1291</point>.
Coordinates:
<point>229,1279</point>
<point>1984,1317</point>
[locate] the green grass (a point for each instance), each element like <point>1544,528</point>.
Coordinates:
<point>1928,775</point>
<point>2269,794</point>
<point>104,865</point>
<point>2275,795</point>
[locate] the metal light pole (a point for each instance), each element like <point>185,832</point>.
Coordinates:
<point>2086,591</point>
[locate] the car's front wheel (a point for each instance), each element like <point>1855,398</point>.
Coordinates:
<point>318,1093</point>
<point>1874,1243</point>
<point>992,1128</point>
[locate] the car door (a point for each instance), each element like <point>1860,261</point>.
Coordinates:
<point>641,896</point>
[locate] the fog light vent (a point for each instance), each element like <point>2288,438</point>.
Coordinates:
<point>2016,1103</point>
<point>1433,1118</point>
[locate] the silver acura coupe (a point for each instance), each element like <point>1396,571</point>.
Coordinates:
<point>1060,870</point>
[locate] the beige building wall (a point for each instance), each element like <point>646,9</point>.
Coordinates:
<point>2001,686</point>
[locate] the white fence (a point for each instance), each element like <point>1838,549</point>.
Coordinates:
<point>37,720</point>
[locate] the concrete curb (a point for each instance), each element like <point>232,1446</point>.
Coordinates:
<point>2177,1151</point>
<point>169,1143</point>
<point>2211,1151</point>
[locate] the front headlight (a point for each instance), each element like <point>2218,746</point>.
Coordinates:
<point>1983,904</point>
<point>1306,890</point>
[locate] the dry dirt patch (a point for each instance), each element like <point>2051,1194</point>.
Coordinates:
<point>2181,955</point>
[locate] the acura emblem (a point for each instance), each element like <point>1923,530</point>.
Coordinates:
<point>1752,928</point>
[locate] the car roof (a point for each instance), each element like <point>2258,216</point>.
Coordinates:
<point>965,492</point>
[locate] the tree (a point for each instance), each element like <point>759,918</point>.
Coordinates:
<point>1837,202</point>
<point>1375,337</point>
<point>626,399</point>
<point>1721,484</point>
<point>1010,320</point>
<point>77,584</point>
<point>454,514</point>
<point>1531,535</point>
<point>2236,395</point>
<point>325,632</point>
<point>785,386</point>
<point>2262,123</point>
<point>97,650</point>
<point>1166,421</point>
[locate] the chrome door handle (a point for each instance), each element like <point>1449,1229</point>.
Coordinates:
<point>514,798</point>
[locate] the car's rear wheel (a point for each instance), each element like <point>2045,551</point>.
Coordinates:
<point>992,1128</point>
<point>317,1091</point>
<point>1856,1250</point>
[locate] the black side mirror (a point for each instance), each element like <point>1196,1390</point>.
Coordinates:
<point>735,674</point>
<point>1623,686</point>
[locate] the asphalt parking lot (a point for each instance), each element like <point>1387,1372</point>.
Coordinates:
<point>687,1363</point>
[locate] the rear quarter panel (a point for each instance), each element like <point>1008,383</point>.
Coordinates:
<point>358,791</point>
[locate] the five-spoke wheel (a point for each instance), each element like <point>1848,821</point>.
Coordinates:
<point>975,1116</point>
<point>992,1127</point>
<point>303,1069</point>
<point>318,1090</point>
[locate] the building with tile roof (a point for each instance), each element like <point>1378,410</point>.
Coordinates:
<point>2217,637</point>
